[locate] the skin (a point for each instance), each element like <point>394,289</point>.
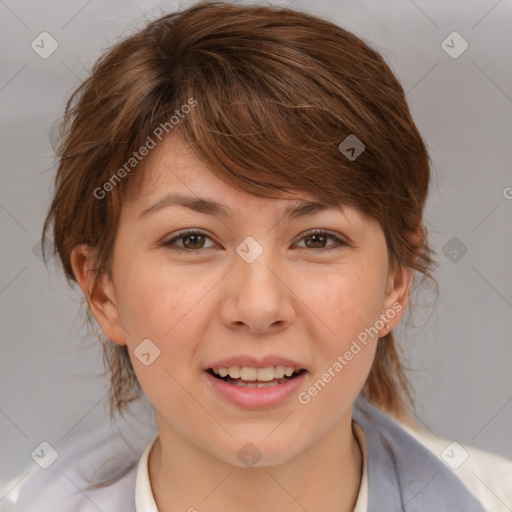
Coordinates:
<point>296,300</point>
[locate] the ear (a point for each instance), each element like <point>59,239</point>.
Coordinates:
<point>397,297</point>
<point>399,289</point>
<point>100,296</point>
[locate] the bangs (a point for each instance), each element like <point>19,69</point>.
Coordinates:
<point>274,133</point>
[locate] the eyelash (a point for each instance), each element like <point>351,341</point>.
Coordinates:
<point>339,243</point>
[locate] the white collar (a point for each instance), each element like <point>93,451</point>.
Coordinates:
<point>362,497</point>
<point>145,501</point>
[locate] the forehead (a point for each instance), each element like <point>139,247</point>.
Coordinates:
<point>173,166</point>
<point>173,174</point>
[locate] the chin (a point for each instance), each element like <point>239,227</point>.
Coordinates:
<point>260,451</point>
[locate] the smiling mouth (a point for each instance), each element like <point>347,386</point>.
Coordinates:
<point>266,379</point>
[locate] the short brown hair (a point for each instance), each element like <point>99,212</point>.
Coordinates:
<point>277,91</point>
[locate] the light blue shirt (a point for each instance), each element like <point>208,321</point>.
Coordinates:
<point>400,475</point>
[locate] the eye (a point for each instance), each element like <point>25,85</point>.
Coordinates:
<point>194,241</point>
<point>319,238</point>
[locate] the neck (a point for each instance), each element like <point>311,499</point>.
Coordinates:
<point>324,477</point>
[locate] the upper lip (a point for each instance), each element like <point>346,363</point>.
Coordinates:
<point>255,362</point>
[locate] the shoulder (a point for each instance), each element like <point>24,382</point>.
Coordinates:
<point>67,484</point>
<point>410,465</point>
<point>486,475</point>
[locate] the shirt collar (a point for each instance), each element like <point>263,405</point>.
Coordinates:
<point>399,473</point>
<point>145,501</point>
<point>402,473</point>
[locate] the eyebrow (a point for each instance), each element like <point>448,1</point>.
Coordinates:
<point>210,207</point>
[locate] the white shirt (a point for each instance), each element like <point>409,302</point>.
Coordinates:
<point>62,487</point>
<point>145,501</point>
<point>495,494</point>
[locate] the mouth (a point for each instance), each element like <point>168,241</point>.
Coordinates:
<point>252,377</point>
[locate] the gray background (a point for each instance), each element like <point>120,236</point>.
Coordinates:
<point>51,387</point>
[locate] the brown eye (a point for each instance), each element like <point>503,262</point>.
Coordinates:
<point>319,239</point>
<point>190,241</point>
<point>194,241</point>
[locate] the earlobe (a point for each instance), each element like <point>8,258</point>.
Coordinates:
<point>100,294</point>
<point>397,296</point>
<point>401,280</point>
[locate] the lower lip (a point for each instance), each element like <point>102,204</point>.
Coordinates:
<point>255,398</point>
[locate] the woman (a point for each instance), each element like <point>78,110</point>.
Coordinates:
<point>239,196</point>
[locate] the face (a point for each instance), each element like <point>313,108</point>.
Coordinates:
<point>245,285</point>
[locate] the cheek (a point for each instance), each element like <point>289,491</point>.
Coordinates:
<point>166,306</point>
<point>163,306</point>
<point>346,302</point>
<point>158,300</point>
<point>349,304</point>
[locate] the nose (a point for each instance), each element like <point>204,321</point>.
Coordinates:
<point>258,296</point>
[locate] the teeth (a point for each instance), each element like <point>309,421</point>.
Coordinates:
<point>278,372</point>
<point>265,374</point>
<point>288,372</point>
<point>247,373</point>
<point>234,372</point>
<point>251,374</point>
<point>242,384</point>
